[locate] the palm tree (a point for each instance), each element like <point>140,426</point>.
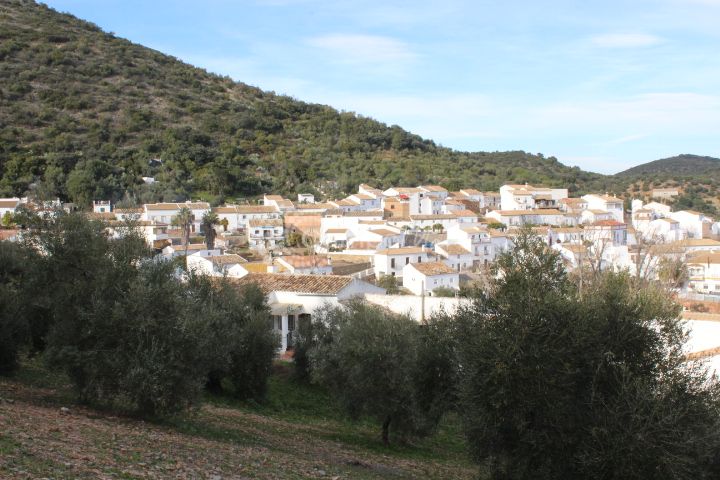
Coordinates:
<point>209,220</point>
<point>183,220</point>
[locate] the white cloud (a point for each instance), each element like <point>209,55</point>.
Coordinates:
<point>625,40</point>
<point>372,49</point>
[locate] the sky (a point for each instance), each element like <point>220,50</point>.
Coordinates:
<point>604,85</point>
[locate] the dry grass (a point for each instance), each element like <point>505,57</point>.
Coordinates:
<point>296,435</point>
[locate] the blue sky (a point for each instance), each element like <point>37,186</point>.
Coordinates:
<point>604,85</point>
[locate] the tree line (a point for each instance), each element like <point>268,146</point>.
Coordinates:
<point>548,383</point>
<point>131,332</point>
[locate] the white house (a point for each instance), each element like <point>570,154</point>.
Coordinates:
<point>455,256</point>
<point>238,216</point>
<point>607,203</point>
<point>295,298</point>
<point>172,251</point>
<point>424,278</point>
<point>304,264</point>
<point>704,272</point>
<point>528,197</point>
<point>392,260</point>
<point>695,224</point>
<point>166,212</point>
<point>218,265</point>
<point>516,218</point>
<point>265,233</point>
<point>8,205</point>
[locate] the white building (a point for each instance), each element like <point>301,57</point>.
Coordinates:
<point>424,278</point>
<point>295,298</point>
<point>456,256</point>
<point>695,224</point>
<point>8,205</point>
<point>607,203</point>
<point>238,216</point>
<point>217,265</point>
<point>265,233</point>
<point>704,272</point>
<point>304,264</point>
<point>392,260</point>
<point>528,197</point>
<point>166,212</point>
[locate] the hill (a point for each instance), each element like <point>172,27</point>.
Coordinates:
<point>298,433</point>
<point>678,166</point>
<point>85,115</point>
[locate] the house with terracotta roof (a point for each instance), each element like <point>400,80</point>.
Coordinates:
<point>8,205</point>
<point>296,298</point>
<point>265,233</point>
<point>528,197</point>
<point>228,265</point>
<point>704,272</point>
<point>304,264</point>
<point>455,256</point>
<point>391,261</point>
<point>238,216</point>
<point>424,278</point>
<point>606,203</point>
<point>166,212</point>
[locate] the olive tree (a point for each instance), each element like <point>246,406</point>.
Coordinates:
<point>552,385</point>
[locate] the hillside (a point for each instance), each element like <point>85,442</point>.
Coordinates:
<point>297,434</point>
<point>83,114</point>
<point>679,166</point>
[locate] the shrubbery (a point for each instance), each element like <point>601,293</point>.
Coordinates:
<point>130,335</point>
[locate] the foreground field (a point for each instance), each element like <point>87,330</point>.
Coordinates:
<point>297,434</point>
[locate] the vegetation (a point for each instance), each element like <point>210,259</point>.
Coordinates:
<point>127,332</point>
<point>85,115</point>
<point>557,386</point>
<point>379,365</point>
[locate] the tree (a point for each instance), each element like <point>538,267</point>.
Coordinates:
<point>209,220</point>
<point>437,227</point>
<point>183,220</point>
<point>369,360</point>
<point>13,324</point>
<point>8,220</point>
<point>552,385</point>
<point>389,283</point>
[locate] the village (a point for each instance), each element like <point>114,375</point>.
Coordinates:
<point>413,250</point>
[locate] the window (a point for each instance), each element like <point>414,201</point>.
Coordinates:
<point>291,323</point>
<point>407,260</point>
<point>392,263</point>
<point>419,259</point>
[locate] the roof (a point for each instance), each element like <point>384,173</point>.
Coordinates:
<point>362,196</point>
<point>239,209</point>
<point>544,211</point>
<point>704,258</point>
<point>454,249</point>
<point>362,245</point>
<point>383,232</point>
<point>401,251</point>
<point>127,210</point>
<point>445,216</point>
<point>574,247</point>
<point>336,230</point>
<point>226,259</point>
<point>304,261</point>
<point>470,191</point>
<point>278,282</point>
<point>275,198</point>
<point>314,206</point>
<point>433,188</point>
<point>572,201</point>
<point>359,213</point>
<point>607,223</point>
<point>177,206</point>
<point>464,213</point>
<point>432,268</point>
<point>266,222</point>
<point>668,220</point>
<point>9,203</point>
<point>700,242</point>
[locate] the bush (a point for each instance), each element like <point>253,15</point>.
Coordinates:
<point>13,324</point>
<point>375,363</point>
<point>553,385</point>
